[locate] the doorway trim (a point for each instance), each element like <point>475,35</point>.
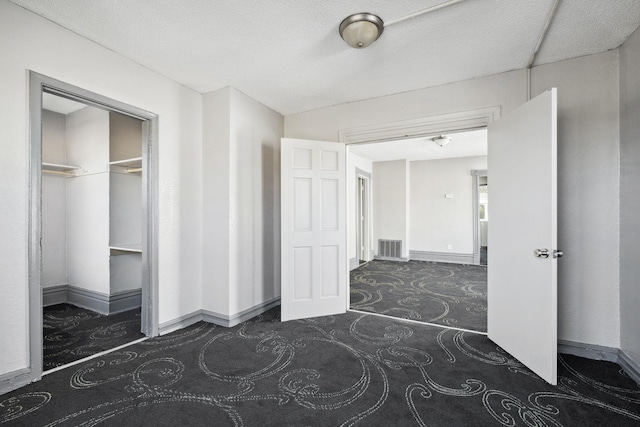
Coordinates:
<point>475,175</point>
<point>424,126</point>
<point>38,84</point>
<point>366,177</point>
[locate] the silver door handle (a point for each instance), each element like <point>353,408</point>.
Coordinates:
<point>541,253</point>
<point>557,253</point>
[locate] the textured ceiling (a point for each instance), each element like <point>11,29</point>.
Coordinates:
<point>463,144</point>
<point>288,55</point>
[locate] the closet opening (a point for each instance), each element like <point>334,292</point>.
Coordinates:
<point>93,247</point>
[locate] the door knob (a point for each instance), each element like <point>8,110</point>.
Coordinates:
<point>541,253</point>
<point>557,253</point>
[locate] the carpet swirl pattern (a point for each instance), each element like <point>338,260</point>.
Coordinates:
<point>344,370</point>
<point>71,333</point>
<point>432,292</point>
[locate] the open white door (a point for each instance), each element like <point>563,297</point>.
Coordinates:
<point>313,215</point>
<point>522,280</point>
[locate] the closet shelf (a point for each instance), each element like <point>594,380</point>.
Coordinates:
<point>135,162</point>
<point>57,169</point>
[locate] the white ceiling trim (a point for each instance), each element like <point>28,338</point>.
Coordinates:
<point>425,126</point>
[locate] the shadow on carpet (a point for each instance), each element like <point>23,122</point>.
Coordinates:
<point>344,370</point>
<point>433,292</point>
<point>71,333</point>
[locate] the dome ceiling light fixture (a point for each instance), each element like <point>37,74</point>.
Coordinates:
<point>361,29</point>
<point>441,140</point>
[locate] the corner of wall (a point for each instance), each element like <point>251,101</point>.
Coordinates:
<point>629,230</point>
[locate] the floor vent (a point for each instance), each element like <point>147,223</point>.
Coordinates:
<point>389,249</point>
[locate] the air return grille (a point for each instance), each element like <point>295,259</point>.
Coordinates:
<point>389,249</point>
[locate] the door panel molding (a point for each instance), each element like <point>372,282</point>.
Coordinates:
<point>313,228</point>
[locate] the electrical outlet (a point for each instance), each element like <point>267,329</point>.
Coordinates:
<point>450,247</point>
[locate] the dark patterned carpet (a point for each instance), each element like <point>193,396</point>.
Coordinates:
<point>71,333</point>
<point>433,292</point>
<point>351,369</point>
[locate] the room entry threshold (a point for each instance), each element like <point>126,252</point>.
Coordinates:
<point>417,322</point>
<point>93,356</point>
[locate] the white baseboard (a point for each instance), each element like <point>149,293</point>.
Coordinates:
<point>386,258</point>
<point>216,318</point>
<point>353,263</point>
<point>125,301</point>
<point>15,379</point>
<point>598,352</point>
<point>54,295</point>
<point>450,257</point>
<point>92,300</point>
<point>629,365</point>
<point>179,323</point>
<point>588,351</point>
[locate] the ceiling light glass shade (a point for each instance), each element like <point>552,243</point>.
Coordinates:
<point>441,140</point>
<point>361,29</point>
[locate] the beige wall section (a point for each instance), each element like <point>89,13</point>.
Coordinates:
<point>29,42</point>
<point>437,221</point>
<point>588,195</point>
<point>390,198</point>
<point>125,137</point>
<point>241,205</point>
<point>354,161</point>
<point>588,188</point>
<point>630,197</point>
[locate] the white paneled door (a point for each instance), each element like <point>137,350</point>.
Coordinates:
<point>313,215</point>
<point>523,257</point>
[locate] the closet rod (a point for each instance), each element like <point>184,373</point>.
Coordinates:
<point>133,170</point>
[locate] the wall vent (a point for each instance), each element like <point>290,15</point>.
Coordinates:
<point>389,249</point>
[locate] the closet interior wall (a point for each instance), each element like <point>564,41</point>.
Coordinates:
<point>92,209</point>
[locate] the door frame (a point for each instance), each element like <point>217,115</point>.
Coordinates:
<point>475,178</point>
<point>366,212</point>
<point>38,84</point>
<point>414,128</point>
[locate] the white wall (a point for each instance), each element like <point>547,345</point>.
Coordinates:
<point>390,199</point>
<point>54,195</point>
<point>241,206</point>
<point>88,232</point>
<point>87,145</point>
<point>215,195</point>
<point>437,222</point>
<point>630,197</point>
<point>354,161</point>
<point>588,114</point>
<point>254,138</point>
<point>29,42</point>
<point>588,195</point>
